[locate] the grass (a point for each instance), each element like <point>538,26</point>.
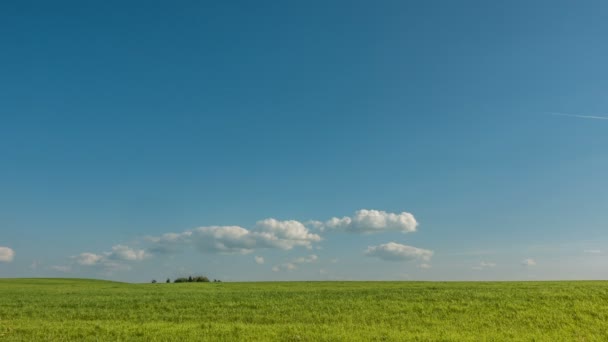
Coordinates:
<point>90,310</point>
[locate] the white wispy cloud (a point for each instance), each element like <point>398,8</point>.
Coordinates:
<point>6,254</point>
<point>529,262</point>
<point>306,260</point>
<point>593,117</point>
<point>393,251</point>
<point>484,265</point>
<point>259,260</point>
<point>292,265</point>
<point>284,267</point>
<point>593,251</point>
<point>61,268</point>
<point>369,221</point>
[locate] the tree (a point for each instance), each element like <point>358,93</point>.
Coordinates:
<point>153,281</point>
<point>201,279</point>
<point>168,281</point>
<point>190,279</point>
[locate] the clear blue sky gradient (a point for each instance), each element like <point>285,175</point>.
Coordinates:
<point>124,120</point>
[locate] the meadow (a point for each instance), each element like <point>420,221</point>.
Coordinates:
<point>92,310</point>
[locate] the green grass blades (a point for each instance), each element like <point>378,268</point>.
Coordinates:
<point>89,310</point>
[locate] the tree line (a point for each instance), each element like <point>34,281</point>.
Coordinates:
<point>190,279</point>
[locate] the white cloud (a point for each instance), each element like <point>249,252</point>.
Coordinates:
<point>484,265</point>
<point>397,252</point>
<point>284,234</point>
<point>593,251</point>
<point>424,266</point>
<point>61,268</point>
<point>292,265</point>
<point>121,252</point>
<point>594,117</point>
<point>269,233</point>
<point>306,260</point>
<point>529,262</point>
<point>88,259</point>
<point>113,260</point>
<point>259,260</point>
<point>6,254</point>
<point>370,221</point>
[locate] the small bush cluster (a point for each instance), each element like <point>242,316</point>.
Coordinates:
<point>197,279</point>
<point>190,279</point>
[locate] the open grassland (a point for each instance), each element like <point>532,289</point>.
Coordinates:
<point>88,310</point>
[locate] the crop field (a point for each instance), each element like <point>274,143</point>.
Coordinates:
<point>90,310</point>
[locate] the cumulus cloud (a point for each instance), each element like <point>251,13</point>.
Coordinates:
<point>113,260</point>
<point>529,262</point>
<point>284,234</point>
<point>88,259</point>
<point>393,251</point>
<point>370,221</point>
<point>121,252</point>
<point>259,260</point>
<point>424,266</point>
<point>6,254</point>
<point>269,233</point>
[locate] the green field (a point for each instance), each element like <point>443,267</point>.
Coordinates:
<point>89,310</point>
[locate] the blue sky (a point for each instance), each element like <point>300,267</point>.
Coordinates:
<point>151,140</point>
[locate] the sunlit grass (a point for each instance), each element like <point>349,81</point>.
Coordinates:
<point>80,310</point>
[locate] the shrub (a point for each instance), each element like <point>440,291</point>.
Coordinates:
<point>181,280</point>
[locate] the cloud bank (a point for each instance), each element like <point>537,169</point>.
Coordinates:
<point>268,233</point>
